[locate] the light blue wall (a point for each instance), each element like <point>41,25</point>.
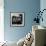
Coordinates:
<point>43,6</point>
<point>29,7</point>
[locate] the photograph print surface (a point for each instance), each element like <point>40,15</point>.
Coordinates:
<point>17,19</point>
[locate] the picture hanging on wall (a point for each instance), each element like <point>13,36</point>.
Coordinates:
<point>17,19</point>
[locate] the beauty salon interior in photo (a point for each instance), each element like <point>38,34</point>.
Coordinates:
<point>22,22</point>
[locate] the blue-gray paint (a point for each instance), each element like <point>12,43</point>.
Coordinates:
<point>29,7</point>
<point>43,6</point>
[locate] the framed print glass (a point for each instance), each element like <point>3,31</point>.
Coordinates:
<point>17,19</point>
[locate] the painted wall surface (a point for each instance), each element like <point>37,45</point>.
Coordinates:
<point>43,6</point>
<point>29,7</point>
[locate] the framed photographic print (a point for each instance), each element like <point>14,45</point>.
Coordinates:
<point>17,19</point>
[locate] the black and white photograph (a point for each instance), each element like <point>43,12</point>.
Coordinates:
<point>17,19</point>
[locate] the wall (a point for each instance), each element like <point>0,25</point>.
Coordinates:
<point>43,6</point>
<point>29,7</point>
